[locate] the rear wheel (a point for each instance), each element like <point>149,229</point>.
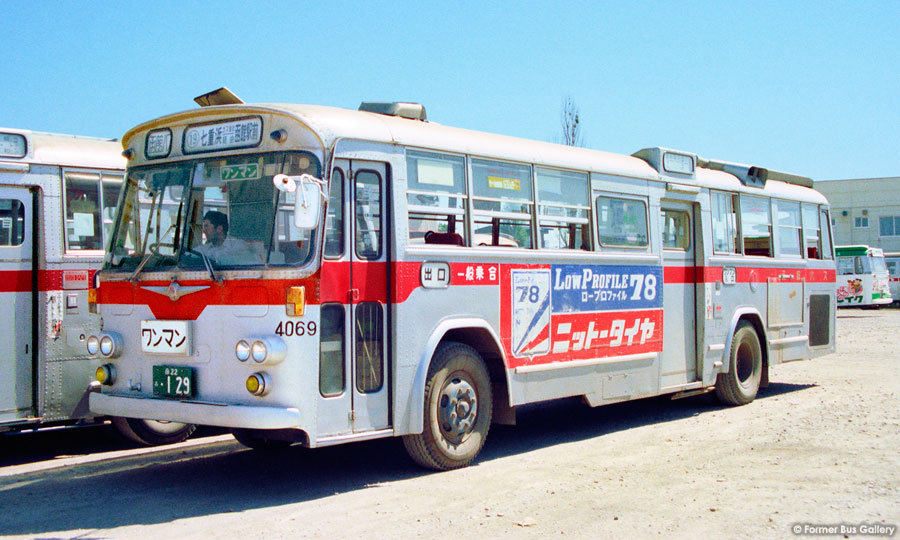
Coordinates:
<point>153,432</point>
<point>458,405</point>
<point>740,385</point>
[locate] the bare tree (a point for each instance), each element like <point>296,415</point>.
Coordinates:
<point>571,123</point>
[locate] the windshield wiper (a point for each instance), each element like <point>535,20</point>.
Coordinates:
<point>206,262</point>
<point>153,251</point>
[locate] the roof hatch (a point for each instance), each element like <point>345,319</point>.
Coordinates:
<point>412,111</point>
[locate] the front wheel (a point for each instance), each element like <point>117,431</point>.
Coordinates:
<point>457,413</point>
<point>153,432</point>
<point>741,383</point>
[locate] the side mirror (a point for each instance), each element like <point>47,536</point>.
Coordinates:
<point>307,200</point>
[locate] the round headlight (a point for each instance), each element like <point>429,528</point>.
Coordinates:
<point>106,345</point>
<point>258,351</point>
<point>93,345</point>
<point>242,350</point>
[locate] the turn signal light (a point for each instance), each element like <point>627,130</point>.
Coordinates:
<point>106,374</point>
<point>259,384</point>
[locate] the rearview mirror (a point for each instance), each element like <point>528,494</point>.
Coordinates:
<point>307,191</point>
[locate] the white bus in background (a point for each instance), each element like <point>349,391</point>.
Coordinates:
<point>398,277</point>
<point>862,277</point>
<point>892,261</point>
<point>58,196</point>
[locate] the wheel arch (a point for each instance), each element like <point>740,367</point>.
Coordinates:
<point>478,334</point>
<point>754,317</point>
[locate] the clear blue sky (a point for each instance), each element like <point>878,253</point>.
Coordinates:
<point>807,87</point>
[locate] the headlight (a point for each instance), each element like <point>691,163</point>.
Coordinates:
<point>106,374</point>
<point>106,345</point>
<point>242,350</point>
<point>258,351</point>
<point>109,344</point>
<point>93,345</point>
<point>259,384</point>
<point>262,349</point>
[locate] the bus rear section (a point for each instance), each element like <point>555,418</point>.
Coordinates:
<point>863,279</point>
<point>892,261</point>
<point>58,195</point>
<point>318,275</point>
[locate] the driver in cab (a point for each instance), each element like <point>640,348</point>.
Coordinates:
<point>219,246</point>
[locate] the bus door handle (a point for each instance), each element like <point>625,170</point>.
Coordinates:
<point>353,295</point>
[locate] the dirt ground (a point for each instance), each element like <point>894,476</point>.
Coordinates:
<point>818,448</point>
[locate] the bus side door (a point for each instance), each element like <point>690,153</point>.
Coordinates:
<point>679,361</point>
<point>16,304</point>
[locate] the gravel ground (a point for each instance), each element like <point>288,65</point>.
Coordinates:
<point>817,449</point>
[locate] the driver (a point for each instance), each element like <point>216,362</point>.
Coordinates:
<point>218,244</point>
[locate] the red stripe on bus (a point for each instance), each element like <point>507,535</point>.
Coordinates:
<point>711,274</point>
<point>48,280</point>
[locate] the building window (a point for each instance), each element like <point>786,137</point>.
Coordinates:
<point>860,223</point>
<point>889,225</point>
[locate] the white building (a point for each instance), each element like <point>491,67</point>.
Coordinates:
<point>865,211</point>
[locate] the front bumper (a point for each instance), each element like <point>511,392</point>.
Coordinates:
<point>207,414</point>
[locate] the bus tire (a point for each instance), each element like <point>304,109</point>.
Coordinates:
<point>153,432</point>
<point>741,383</point>
<point>458,406</point>
<point>252,438</point>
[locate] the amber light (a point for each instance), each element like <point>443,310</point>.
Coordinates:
<point>295,301</point>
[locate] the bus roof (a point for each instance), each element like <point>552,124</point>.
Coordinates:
<point>331,124</point>
<point>67,150</point>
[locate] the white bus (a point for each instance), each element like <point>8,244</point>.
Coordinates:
<point>58,194</point>
<point>892,261</point>
<point>863,278</point>
<point>393,277</point>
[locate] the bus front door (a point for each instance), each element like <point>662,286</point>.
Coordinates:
<point>361,402</point>
<point>16,304</point>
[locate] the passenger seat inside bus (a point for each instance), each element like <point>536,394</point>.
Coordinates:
<point>446,238</point>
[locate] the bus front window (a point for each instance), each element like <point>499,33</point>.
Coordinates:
<point>224,212</point>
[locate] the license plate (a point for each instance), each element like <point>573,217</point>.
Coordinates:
<point>166,337</point>
<point>173,381</point>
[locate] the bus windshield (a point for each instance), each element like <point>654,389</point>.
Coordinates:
<point>218,213</point>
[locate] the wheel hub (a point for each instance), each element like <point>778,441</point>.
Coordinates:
<point>458,408</point>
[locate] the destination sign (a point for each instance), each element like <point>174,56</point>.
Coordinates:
<point>242,133</point>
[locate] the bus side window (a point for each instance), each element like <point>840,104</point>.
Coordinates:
<point>436,198</point>
<point>724,223</point>
<point>790,231</point>
<point>334,220</point>
<point>621,222</point>
<point>503,200</point>
<point>112,185</point>
<point>12,222</point>
<point>83,211</point>
<point>812,235</point>
<point>565,209</point>
<point>756,225</point>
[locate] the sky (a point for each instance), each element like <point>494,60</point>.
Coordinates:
<point>806,87</point>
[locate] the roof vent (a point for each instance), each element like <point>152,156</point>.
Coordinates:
<point>412,111</point>
<point>222,96</point>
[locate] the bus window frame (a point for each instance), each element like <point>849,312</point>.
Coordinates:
<point>647,248</point>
